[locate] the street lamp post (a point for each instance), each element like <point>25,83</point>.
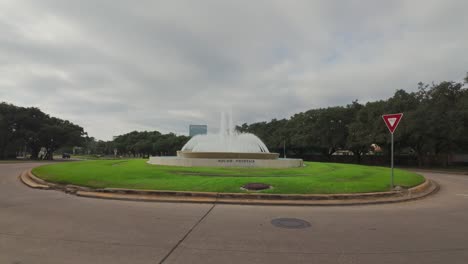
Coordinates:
<point>284,148</point>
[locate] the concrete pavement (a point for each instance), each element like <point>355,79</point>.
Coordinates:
<point>41,226</point>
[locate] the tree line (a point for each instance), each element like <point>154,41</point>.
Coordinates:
<point>137,144</point>
<point>29,132</point>
<point>435,124</point>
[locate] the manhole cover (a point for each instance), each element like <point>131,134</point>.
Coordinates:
<point>291,223</point>
<point>256,186</point>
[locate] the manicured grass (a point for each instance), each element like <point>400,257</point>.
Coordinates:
<point>313,178</point>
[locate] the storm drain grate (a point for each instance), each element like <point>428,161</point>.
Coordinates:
<point>291,223</point>
<point>255,186</point>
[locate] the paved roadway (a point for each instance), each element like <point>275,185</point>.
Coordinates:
<point>38,226</point>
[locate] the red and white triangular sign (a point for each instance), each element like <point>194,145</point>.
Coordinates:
<point>392,121</point>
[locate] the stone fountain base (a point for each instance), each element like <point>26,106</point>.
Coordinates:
<point>226,159</point>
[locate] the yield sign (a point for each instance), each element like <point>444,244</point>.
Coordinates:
<point>392,121</point>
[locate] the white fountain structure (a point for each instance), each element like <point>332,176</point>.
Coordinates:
<point>228,148</point>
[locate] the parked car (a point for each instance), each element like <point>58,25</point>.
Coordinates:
<point>65,155</point>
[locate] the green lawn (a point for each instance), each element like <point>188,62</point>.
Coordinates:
<point>313,178</point>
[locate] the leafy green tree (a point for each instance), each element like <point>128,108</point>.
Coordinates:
<point>29,128</point>
<point>57,133</point>
<point>366,129</point>
<point>8,128</point>
<point>143,144</point>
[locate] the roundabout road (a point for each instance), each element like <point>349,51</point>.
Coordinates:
<point>38,226</point>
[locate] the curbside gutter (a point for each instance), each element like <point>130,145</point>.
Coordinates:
<point>426,188</point>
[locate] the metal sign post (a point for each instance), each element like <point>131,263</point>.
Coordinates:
<point>392,121</point>
<point>391,185</point>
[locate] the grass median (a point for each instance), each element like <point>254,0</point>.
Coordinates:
<point>314,178</point>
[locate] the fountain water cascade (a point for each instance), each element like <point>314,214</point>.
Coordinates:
<point>227,140</point>
<point>228,148</point>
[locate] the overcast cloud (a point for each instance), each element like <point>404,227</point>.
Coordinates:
<point>117,66</point>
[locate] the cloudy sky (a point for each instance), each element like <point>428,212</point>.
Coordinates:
<point>117,66</point>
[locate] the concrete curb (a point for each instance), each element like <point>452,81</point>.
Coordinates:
<point>417,192</point>
<point>29,181</point>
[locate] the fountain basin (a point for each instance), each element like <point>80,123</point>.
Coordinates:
<point>227,161</point>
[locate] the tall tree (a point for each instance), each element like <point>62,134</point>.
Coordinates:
<point>32,129</point>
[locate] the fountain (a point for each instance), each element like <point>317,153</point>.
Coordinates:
<point>228,148</point>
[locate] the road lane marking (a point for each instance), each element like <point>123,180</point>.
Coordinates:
<point>187,234</point>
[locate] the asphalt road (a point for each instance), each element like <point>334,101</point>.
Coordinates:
<point>41,226</point>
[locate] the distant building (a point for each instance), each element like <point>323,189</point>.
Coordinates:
<point>198,130</point>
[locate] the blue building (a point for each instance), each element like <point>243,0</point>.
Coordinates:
<point>198,130</point>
